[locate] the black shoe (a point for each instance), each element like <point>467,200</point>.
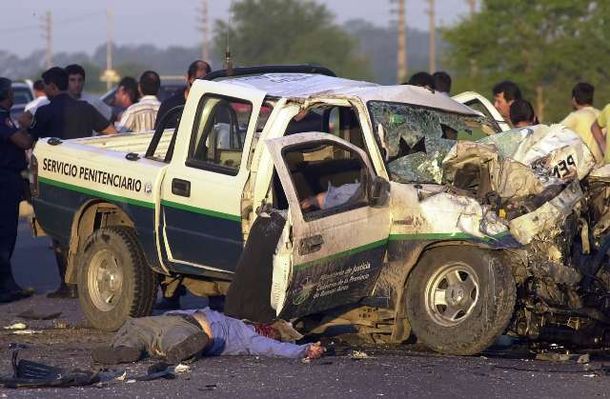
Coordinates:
<point>64,291</point>
<point>168,304</point>
<point>115,355</point>
<point>188,348</point>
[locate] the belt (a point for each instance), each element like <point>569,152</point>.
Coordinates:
<point>200,321</point>
<point>191,320</point>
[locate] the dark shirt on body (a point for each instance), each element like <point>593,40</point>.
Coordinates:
<point>167,104</point>
<point>67,118</point>
<point>12,158</point>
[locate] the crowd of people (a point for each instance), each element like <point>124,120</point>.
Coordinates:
<point>587,121</point>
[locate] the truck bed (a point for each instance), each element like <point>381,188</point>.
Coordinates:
<point>126,142</point>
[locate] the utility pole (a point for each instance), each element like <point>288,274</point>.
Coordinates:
<point>473,64</point>
<point>109,46</point>
<point>110,76</point>
<point>473,6</point>
<point>47,33</point>
<point>432,37</point>
<point>205,30</point>
<point>401,54</point>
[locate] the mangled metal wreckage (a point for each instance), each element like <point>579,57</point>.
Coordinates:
<point>533,194</point>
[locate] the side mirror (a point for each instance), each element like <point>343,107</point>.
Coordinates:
<point>379,192</point>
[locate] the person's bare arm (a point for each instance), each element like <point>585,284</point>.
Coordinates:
<point>109,130</point>
<point>21,139</point>
<point>25,119</point>
<point>596,130</point>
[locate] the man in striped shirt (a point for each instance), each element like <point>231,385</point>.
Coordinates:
<point>140,117</point>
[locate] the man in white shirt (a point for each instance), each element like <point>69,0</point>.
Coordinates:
<point>76,83</point>
<point>140,117</point>
<point>39,100</point>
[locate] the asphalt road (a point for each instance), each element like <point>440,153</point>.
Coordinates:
<point>387,372</point>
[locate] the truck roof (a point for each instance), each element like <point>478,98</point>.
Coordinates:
<point>305,86</point>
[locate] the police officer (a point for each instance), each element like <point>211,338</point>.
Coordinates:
<point>13,143</point>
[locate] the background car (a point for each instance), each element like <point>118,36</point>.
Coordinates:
<point>23,94</point>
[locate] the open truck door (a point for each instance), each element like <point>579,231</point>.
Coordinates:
<point>338,222</point>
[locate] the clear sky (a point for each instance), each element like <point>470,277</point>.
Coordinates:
<point>80,25</point>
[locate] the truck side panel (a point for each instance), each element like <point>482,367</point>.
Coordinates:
<point>207,237</point>
<point>58,203</point>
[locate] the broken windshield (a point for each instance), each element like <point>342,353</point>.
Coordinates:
<point>415,140</point>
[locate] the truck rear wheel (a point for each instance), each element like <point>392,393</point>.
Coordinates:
<point>459,299</point>
<point>114,280</point>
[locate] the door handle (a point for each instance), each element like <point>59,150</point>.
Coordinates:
<point>181,187</point>
<point>311,244</point>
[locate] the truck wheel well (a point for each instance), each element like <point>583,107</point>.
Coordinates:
<point>89,218</point>
<point>399,276</point>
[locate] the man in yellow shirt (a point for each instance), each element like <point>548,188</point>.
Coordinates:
<point>583,116</point>
<point>599,129</point>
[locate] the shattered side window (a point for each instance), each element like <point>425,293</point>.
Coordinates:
<point>416,139</point>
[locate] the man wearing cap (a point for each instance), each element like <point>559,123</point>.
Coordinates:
<point>13,143</point>
<point>182,334</point>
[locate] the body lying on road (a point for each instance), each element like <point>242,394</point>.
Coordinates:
<point>183,334</point>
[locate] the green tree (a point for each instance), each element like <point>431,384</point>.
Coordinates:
<point>545,46</point>
<point>289,32</point>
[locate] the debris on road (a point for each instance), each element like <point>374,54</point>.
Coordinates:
<point>29,374</point>
<point>26,332</point>
<point>182,368</point>
<point>16,326</point>
<point>61,324</point>
<point>358,355</point>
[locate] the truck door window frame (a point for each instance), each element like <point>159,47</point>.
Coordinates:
<point>366,175</point>
<point>198,130</point>
<point>160,131</point>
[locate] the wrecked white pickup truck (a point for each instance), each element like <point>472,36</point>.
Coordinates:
<point>454,243</point>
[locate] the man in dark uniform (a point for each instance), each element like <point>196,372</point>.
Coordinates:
<point>66,118</point>
<point>13,143</point>
<point>198,69</point>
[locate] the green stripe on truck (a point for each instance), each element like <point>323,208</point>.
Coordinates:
<point>201,211</point>
<point>95,193</point>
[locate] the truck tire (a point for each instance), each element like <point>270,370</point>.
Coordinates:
<point>459,300</point>
<point>114,279</point>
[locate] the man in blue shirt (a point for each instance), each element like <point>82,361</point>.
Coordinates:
<point>13,143</point>
<point>182,334</point>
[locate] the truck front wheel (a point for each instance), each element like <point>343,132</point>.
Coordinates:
<point>114,280</point>
<point>459,299</point>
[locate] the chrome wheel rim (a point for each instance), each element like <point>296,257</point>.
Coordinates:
<point>105,280</point>
<point>451,294</point>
